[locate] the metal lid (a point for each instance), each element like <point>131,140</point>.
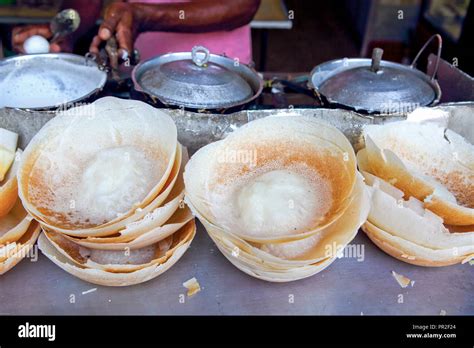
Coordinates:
<point>196,82</point>
<point>375,85</point>
<point>364,89</point>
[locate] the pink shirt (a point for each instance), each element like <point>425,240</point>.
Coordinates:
<point>234,43</point>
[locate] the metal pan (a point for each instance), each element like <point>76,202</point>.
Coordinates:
<point>48,81</point>
<point>197,81</point>
<point>374,85</point>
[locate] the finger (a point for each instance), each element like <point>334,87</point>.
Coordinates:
<point>112,16</point>
<point>55,48</point>
<point>62,45</point>
<point>124,33</point>
<point>16,31</point>
<point>19,49</point>
<point>105,32</point>
<point>94,47</point>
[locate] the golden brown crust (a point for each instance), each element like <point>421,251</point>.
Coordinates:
<point>397,175</point>
<point>403,256</point>
<point>175,181</point>
<point>278,143</point>
<point>72,251</point>
<point>153,133</point>
<point>389,166</point>
<point>101,277</point>
<point>25,243</point>
<point>451,214</point>
<point>8,196</point>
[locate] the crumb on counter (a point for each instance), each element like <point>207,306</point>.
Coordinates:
<point>401,280</point>
<point>193,286</point>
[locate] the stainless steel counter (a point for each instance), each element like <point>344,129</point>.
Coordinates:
<point>348,286</point>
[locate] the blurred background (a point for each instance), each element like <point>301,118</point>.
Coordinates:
<point>296,35</point>
<point>325,30</point>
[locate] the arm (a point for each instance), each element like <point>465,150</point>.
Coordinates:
<point>199,16</point>
<point>127,20</point>
<point>89,11</point>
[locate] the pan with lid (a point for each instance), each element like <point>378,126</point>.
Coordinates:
<point>197,80</point>
<point>374,85</point>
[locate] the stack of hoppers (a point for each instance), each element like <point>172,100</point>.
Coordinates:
<point>105,182</point>
<point>281,196</point>
<point>421,178</point>
<point>18,230</point>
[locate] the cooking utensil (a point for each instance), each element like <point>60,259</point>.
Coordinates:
<point>111,48</point>
<point>198,129</point>
<point>197,80</point>
<point>374,85</point>
<point>64,23</point>
<point>46,81</point>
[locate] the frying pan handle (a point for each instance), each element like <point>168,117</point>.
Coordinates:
<point>296,87</point>
<point>92,57</point>
<point>438,55</point>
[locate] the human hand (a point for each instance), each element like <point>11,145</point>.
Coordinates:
<point>119,21</point>
<point>21,33</point>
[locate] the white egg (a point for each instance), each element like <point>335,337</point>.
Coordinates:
<point>36,44</point>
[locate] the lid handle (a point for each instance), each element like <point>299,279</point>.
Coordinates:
<point>376,58</point>
<point>200,61</point>
<point>438,55</point>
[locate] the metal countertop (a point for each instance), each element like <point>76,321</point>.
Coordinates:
<point>347,287</point>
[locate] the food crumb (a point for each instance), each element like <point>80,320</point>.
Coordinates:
<point>89,291</point>
<point>193,286</point>
<point>401,280</point>
<point>469,259</point>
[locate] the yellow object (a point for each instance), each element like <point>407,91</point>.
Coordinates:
<point>8,143</point>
